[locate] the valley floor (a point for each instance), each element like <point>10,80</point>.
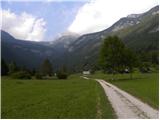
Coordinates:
<point>72,98</point>
<point>79,98</point>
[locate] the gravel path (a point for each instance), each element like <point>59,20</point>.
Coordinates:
<point>126,105</point>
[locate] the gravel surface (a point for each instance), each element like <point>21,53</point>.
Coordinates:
<point>126,105</point>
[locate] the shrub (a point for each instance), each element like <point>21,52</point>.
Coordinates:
<point>92,71</point>
<point>21,75</point>
<point>145,67</point>
<point>61,75</point>
<point>38,76</point>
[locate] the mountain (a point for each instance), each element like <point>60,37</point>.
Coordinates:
<point>139,32</point>
<point>31,54</point>
<point>25,53</point>
<point>145,35</point>
<point>64,41</point>
<point>143,23</point>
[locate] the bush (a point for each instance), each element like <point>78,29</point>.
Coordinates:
<point>38,76</point>
<point>21,75</point>
<point>145,67</point>
<point>61,75</point>
<point>92,71</point>
<point>155,68</point>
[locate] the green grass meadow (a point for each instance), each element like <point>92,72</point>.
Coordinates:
<point>72,98</point>
<point>144,86</point>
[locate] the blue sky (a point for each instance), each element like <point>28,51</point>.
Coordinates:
<point>47,19</point>
<point>57,15</point>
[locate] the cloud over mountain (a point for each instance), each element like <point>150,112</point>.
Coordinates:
<point>97,15</point>
<point>23,26</point>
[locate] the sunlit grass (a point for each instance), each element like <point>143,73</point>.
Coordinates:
<point>72,98</point>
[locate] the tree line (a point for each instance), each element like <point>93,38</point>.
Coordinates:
<point>44,71</point>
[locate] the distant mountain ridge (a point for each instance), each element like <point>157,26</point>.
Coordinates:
<point>26,53</point>
<point>139,32</point>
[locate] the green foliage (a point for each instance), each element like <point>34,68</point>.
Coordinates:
<point>92,71</point>
<point>150,56</point>
<point>153,57</point>
<point>4,68</point>
<point>38,75</point>
<point>46,68</point>
<point>111,53</point>
<point>115,57</point>
<point>130,60</point>
<point>62,73</point>
<point>21,75</point>
<point>50,99</point>
<point>155,68</point>
<point>145,67</point>
<point>93,68</point>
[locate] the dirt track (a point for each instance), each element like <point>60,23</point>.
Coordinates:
<point>126,105</point>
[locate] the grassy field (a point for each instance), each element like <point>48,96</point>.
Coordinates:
<point>143,86</point>
<point>73,98</point>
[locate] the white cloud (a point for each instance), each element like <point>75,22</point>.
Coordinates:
<point>97,15</point>
<point>24,26</point>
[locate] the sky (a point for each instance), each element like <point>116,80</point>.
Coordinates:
<point>45,20</point>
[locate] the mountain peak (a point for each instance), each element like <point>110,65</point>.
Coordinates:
<point>68,33</point>
<point>134,15</point>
